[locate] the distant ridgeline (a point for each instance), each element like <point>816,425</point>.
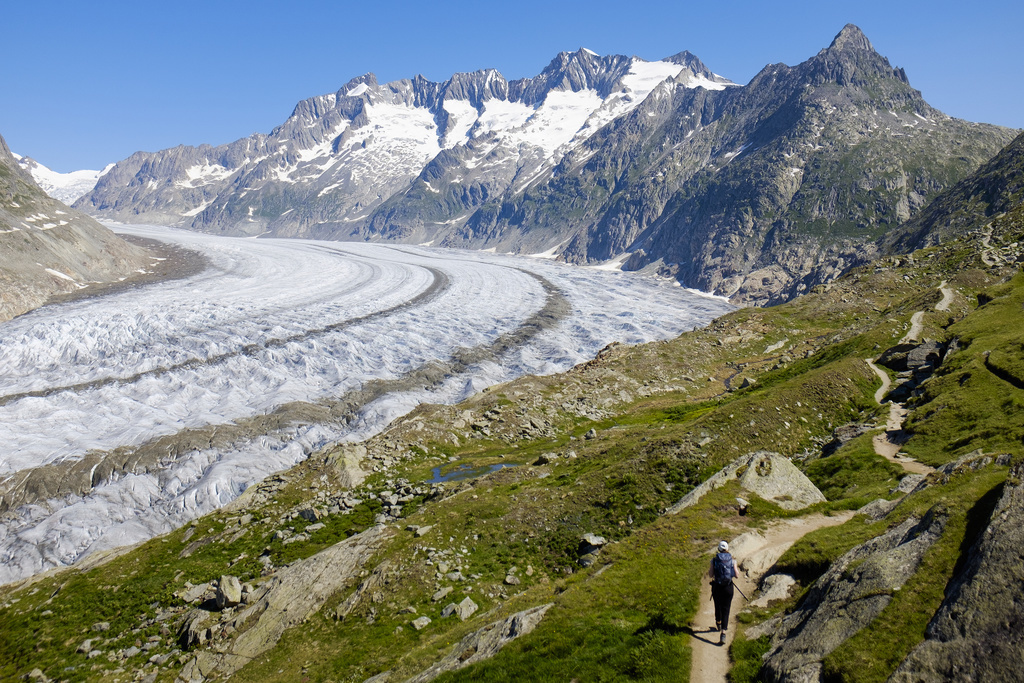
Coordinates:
<point>755,192</point>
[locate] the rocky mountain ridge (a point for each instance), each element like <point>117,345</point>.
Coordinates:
<point>755,192</point>
<point>49,249</point>
<point>338,156</point>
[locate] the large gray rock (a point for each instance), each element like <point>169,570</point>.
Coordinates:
<point>229,592</point>
<point>465,609</point>
<point>848,597</point>
<point>485,643</point>
<point>978,632</point>
<point>769,475</point>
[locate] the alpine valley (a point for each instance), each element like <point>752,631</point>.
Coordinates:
<point>752,192</point>
<point>856,432</point>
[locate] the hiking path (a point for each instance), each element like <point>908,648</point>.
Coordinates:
<point>755,553</point>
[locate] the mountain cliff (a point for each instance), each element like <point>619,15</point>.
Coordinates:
<point>47,248</point>
<point>971,204</point>
<point>756,192</point>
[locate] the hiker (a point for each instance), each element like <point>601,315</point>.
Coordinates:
<point>723,571</point>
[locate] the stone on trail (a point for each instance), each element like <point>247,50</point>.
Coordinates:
<point>774,587</point>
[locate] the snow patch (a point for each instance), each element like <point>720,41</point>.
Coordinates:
<point>357,90</point>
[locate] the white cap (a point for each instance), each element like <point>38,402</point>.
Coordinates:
<point>723,547</point>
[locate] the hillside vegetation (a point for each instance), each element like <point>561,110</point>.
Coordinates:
<point>339,560</point>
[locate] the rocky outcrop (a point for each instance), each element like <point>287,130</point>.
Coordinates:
<point>48,249</point>
<point>848,597</point>
<point>283,602</point>
<point>767,474</point>
<point>978,632</point>
<point>485,643</point>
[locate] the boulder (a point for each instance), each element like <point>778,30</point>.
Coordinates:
<point>774,587</point>
<point>420,623</point>
<point>310,514</point>
<point>589,548</point>
<point>229,592</point>
<point>347,462</point>
<point>767,474</point>
<point>441,594</point>
<point>465,609</point>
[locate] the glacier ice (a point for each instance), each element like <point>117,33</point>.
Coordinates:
<point>268,323</point>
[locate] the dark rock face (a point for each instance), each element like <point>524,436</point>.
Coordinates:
<point>913,357</point>
<point>978,632</point>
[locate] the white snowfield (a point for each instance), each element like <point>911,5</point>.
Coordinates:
<point>272,322</point>
<point>64,187</point>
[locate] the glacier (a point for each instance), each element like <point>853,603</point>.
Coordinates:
<point>268,326</point>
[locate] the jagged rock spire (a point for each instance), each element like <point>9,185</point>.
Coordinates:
<point>851,38</point>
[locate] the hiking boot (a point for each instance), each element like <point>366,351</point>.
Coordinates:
<point>721,639</point>
<point>718,626</point>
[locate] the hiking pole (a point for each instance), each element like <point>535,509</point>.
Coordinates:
<point>741,592</point>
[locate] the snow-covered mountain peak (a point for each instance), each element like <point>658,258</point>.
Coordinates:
<point>341,155</point>
<point>64,187</point>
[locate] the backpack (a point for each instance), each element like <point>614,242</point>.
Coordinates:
<point>722,566</point>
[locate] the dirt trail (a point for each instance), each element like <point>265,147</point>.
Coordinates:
<point>986,243</point>
<point>882,375</point>
<point>755,555</point>
<point>947,297</point>
<point>916,325</point>
<point>888,443</point>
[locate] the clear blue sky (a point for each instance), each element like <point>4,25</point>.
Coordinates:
<point>88,83</point>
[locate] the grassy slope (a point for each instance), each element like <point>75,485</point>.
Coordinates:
<point>665,421</point>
